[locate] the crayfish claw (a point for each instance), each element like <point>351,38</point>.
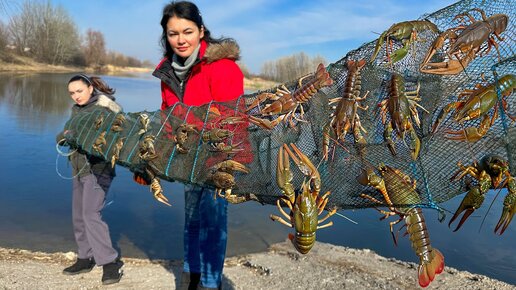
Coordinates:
<point>415,145</point>
<point>470,134</point>
<point>284,175</point>
<point>302,161</point>
<point>156,189</point>
<point>505,220</point>
<point>263,123</point>
<point>161,198</point>
<point>473,200</point>
<point>468,212</point>
<point>230,166</point>
<point>509,207</point>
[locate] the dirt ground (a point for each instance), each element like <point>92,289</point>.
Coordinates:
<point>281,267</point>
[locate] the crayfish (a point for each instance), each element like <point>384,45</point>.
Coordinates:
<point>116,150</point>
<point>305,207</point>
<point>217,136</point>
<point>285,103</point>
<point>118,123</point>
<point>148,177</point>
<point>406,32</point>
<point>98,121</point>
<point>476,103</point>
<point>144,124</point>
<point>223,179</point>
<point>146,150</point>
<point>466,44</point>
<point>346,116</point>
<point>181,137</point>
<point>489,173</point>
<point>100,142</point>
<point>402,107</point>
<point>401,196</point>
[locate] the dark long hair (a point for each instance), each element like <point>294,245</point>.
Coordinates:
<point>185,10</point>
<point>94,81</point>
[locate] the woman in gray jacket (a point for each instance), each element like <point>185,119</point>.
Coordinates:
<point>92,179</point>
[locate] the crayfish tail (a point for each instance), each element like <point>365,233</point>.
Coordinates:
<point>303,244</point>
<point>428,271</point>
<point>322,76</point>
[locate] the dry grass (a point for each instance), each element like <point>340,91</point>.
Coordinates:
<point>16,63</point>
<point>257,84</point>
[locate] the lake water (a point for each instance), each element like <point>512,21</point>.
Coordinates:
<point>35,195</point>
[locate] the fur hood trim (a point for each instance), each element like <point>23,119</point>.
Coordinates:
<point>105,101</point>
<point>227,48</point>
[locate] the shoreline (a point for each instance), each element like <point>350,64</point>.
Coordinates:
<point>29,66</point>
<point>280,267</point>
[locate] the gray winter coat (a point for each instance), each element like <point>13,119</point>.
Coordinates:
<point>82,163</point>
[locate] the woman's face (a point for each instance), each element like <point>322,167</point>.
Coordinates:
<point>80,92</point>
<point>183,36</point>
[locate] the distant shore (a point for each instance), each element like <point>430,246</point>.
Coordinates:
<point>26,65</point>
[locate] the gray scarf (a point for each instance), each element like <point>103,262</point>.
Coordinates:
<point>182,70</point>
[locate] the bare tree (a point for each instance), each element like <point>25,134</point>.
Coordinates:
<point>44,32</point>
<point>56,39</point>
<point>94,48</point>
<point>148,63</point>
<point>4,36</point>
<point>21,29</point>
<point>244,69</point>
<point>116,58</point>
<point>119,59</point>
<point>290,67</point>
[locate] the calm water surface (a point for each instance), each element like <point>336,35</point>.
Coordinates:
<point>35,195</point>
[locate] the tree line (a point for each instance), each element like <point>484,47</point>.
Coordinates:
<point>48,34</point>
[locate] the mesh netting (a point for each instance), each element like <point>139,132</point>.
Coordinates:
<point>192,159</point>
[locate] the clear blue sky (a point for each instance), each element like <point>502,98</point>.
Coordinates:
<point>265,29</point>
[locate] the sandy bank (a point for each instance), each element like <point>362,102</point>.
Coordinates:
<point>281,267</point>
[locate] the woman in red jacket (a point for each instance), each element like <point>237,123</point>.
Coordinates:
<point>196,70</point>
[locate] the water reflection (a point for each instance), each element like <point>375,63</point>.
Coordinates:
<point>39,95</point>
<point>35,202</point>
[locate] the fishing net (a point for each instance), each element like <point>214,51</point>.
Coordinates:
<point>186,144</point>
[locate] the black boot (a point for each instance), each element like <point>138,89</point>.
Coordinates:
<point>206,288</point>
<point>112,272</point>
<point>80,266</point>
<point>189,281</point>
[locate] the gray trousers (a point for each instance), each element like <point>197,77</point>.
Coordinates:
<point>91,232</point>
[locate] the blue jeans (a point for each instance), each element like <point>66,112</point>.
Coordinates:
<point>205,235</point>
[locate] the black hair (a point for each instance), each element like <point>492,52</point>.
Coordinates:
<point>185,10</point>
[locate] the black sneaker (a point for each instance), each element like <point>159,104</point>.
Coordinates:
<point>112,272</point>
<point>80,266</point>
<point>189,281</point>
<point>206,288</point>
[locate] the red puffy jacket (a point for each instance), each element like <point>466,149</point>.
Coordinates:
<point>214,77</point>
